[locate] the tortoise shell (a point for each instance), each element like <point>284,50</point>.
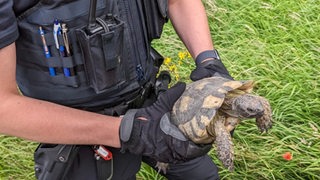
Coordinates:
<point>209,109</point>
<point>200,102</point>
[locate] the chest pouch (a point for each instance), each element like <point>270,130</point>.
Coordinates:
<point>106,57</point>
<point>101,43</point>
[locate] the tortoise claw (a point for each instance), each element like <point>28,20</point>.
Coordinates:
<point>162,167</point>
<point>264,123</point>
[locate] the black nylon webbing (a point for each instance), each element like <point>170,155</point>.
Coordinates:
<point>104,169</point>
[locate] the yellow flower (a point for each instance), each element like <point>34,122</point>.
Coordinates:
<point>177,77</point>
<point>172,68</point>
<point>167,61</point>
<point>181,55</point>
<point>189,55</point>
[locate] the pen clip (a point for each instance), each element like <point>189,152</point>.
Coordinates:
<point>56,31</point>
<point>64,30</point>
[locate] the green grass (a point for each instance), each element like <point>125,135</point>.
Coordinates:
<point>277,44</point>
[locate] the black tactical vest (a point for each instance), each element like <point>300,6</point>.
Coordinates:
<point>102,68</point>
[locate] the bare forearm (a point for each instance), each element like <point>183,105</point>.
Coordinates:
<point>51,123</point>
<point>190,21</point>
<point>48,122</point>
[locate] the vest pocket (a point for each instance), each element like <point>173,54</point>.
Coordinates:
<point>102,54</point>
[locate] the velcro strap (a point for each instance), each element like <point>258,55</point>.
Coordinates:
<point>127,124</point>
<point>206,55</point>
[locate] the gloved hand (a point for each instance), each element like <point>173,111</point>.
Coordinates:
<point>209,64</point>
<point>148,131</point>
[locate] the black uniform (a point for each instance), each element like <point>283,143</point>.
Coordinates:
<point>15,19</point>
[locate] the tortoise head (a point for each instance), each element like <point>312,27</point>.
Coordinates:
<point>248,106</point>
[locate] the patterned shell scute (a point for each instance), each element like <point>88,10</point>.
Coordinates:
<point>208,94</point>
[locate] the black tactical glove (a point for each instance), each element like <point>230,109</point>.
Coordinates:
<point>148,131</point>
<point>209,64</point>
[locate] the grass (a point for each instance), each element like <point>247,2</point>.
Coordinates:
<point>277,44</point>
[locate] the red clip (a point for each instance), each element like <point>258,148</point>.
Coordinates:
<point>102,152</point>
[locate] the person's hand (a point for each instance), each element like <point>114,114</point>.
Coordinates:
<point>148,131</point>
<point>209,64</point>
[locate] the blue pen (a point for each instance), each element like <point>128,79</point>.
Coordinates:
<point>52,71</point>
<point>57,32</point>
<point>66,71</point>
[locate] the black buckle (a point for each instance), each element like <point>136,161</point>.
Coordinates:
<point>138,101</point>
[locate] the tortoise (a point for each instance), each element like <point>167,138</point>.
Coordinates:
<point>209,109</point>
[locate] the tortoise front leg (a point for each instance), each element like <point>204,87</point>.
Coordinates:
<point>265,121</point>
<point>223,142</point>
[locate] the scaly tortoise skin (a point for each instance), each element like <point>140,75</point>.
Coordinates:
<point>216,106</point>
